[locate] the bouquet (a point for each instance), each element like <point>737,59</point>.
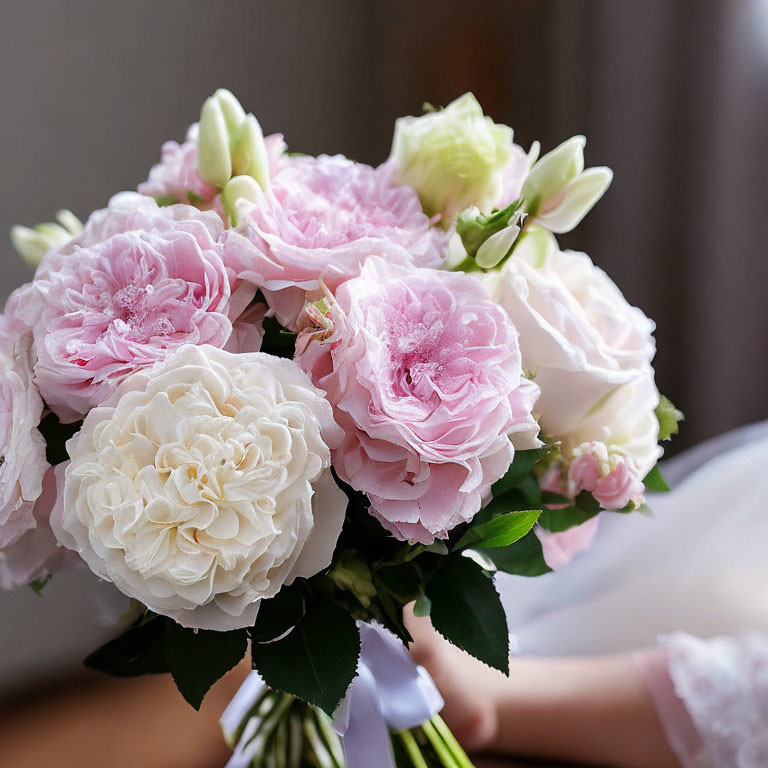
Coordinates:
<point>276,398</point>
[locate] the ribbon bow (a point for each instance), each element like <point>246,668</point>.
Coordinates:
<point>390,691</point>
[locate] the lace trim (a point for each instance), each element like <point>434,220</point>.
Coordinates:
<point>724,685</point>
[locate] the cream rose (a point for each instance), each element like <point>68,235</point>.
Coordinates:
<point>203,485</point>
<point>589,349</point>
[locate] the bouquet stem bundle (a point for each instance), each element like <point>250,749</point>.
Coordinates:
<point>284,732</point>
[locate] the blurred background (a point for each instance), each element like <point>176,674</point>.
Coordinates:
<point>671,94</point>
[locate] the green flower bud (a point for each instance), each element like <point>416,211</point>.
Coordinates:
<point>233,112</point>
<point>230,142</point>
<point>453,158</point>
<point>33,244</point>
<point>214,161</point>
<point>351,573</point>
<point>488,234</point>
<point>496,247</point>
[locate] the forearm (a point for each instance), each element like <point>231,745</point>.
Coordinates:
<point>594,710</point>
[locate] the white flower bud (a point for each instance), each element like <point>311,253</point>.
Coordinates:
<point>250,156</point>
<point>33,244</point>
<point>576,200</point>
<point>214,159</point>
<point>233,112</point>
<point>239,188</point>
<point>553,171</point>
<point>453,158</point>
<point>496,247</point>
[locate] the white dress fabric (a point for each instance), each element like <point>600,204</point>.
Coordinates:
<point>723,685</point>
<point>697,562</point>
<point>692,575</point>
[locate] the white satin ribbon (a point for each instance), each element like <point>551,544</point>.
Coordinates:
<point>389,692</point>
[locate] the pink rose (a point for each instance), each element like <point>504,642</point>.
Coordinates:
<point>562,546</point>
<point>176,177</point>
<point>610,476</point>
<point>320,220</point>
<point>424,374</point>
<point>141,280</point>
<point>591,350</point>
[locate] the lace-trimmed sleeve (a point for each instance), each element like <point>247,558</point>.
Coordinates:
<point>723,683</point>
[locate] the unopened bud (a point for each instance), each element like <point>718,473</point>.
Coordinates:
<point>496,247</point>
<point>250,156</point>
<point>236,189</point>
<point>566,210</point>
<point>214,159</point>
<point>33,244</point>
<point>553,171</point>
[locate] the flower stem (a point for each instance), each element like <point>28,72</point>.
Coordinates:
<point>442,751</point>
<point>458,752</point>
<point>412,749</point>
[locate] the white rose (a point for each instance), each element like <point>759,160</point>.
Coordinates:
<point>589,349</point>
<point>454,157</point>
<point>203,485</point>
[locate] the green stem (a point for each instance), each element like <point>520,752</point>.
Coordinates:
<point>295,738</point>
<point>319,750</point>
<point>330,736</point>
<point>412,748</point>
<point>458,752</point>
<point>441,748</point>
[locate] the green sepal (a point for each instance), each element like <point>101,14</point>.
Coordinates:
<point>474,228</point>
<point>669,418</point>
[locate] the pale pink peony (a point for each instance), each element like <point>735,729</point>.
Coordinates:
<point>248,330</point>
<point>36,553</point>
<point>610,476</point>
<point>141,280</point>
<point>320,220</point>
<point>424,374</point>
<point>176,177</point>
<point>22,451</point>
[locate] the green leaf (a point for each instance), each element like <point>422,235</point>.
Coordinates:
<point>654,481</point>
<point>317,660</point>
<point>166,200</point>
<point>193,197</point>
<point>520,468</point>
<point>138,651</point>
<point>669,418</point>
<point>198,658</point>
<point>567,517</point>
<point>523,558</point>
<point>501,531</point>
<point>278,614</point>
<point>276,340</point>
<point>38,585</point>
<point>467,611</point>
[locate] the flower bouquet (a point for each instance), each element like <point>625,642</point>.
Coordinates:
<point>275,398</point>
